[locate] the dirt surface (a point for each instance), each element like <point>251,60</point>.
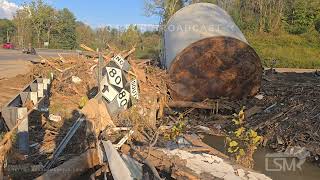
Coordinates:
<point>294,70</point>
<point>16,70</point>
<point>10,87</point>
<point>14,74</point>
<point>9,69</point>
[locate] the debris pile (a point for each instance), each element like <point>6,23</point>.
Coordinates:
<point>285,112</point>
<point>289,113</point>
<point>151,136</point>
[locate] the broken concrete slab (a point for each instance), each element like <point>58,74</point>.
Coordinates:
<point>215,166</point>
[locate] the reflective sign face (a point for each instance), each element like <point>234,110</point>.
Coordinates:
<point>134,89</point>
<point>115,76</point>
<point>107,90</point>
<point>118,93</point>
<point>123,98</point>
<point>119,61</point>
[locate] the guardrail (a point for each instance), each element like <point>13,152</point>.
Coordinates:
<point>18,109</point>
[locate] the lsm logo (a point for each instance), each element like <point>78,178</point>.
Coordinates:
<point>290,160</point>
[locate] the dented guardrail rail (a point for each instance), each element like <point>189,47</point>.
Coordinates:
<point>19,107</point>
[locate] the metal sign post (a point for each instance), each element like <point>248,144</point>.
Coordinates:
<point>100,61</point>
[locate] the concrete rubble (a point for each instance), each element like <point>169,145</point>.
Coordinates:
<point>215,166</point>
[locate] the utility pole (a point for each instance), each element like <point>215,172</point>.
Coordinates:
<point>8,39</point>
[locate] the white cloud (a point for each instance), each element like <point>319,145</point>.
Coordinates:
<point>7,9</point>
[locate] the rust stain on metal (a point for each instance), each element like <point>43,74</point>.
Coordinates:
<point>215,67</point>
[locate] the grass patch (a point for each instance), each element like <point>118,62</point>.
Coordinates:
<point>290,51</point>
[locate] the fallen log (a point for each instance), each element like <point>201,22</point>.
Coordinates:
<point>87,48</point>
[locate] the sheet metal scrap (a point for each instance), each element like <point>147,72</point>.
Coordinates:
<point>64,142</point>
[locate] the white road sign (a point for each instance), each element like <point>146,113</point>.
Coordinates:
<point>134,89</point>
<point>119,61</point>
<point>107,90</point>
<point>115,76</point>
<point>123,98</point>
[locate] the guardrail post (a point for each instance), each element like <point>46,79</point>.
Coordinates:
<point>12,115</point>
<point>23,131</point>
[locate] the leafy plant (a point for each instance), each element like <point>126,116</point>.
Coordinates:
<point>242,142</point>
<point>177,128</point>
<point>317,24</point>
<point>83,101</point>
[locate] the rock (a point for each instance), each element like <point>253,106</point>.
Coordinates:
<point>54,118</point>
<point>259,96</point>
<point>203,128</point>
<point>241,173</point>
<point>76,80</point>
<point>279,140</point>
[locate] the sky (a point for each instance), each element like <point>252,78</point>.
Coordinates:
<point>96,13</point>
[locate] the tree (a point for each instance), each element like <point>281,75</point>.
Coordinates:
<point>300,15</point>
<point>7,30</point>
<point>84,34</point>
<point>22,21</point>
<point>149,47</point>
<point>103,36</point>
<point>317,24</point>
<point>201,1</point>
<point>65,30</point>
<point>163,8</point>
<point>50,21</point>
<point>42,17</point>
<point>130,37</point>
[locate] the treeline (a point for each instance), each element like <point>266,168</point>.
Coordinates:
<point>40,24</point>
<point>292,16</point>
<point>37,23</point>
<point>285,31</point>
<point>147,43</point>
<point>282,23</point>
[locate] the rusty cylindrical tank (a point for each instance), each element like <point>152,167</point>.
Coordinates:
<point>207,56</point>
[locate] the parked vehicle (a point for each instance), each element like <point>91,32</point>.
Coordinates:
<point>8,46</point>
